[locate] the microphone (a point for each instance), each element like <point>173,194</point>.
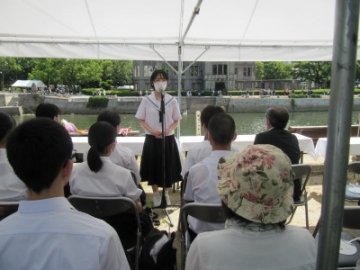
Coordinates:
<point>161,89</point>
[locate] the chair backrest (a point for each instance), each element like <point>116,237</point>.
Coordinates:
<point>302,171</point>
<point>183,188</point>
<point>351,217</point>
<point>103,206</point>
<point>354,167</point>
<point>7,208</point>
<point>207,212</point>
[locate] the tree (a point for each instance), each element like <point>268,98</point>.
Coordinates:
<point>15,68</point>
<point>89,73</point>
<point>259,71</point>
<point>121,72</point>
<point>277,70</point>
<point>317,72</point>
<point>48,70</point>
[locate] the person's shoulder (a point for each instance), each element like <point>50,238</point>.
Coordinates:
<point>299,233</point>
<point>123,150</point>
<point>83,223</point>
<point>215,236</point>
<point>199,167</point>
<point>262,134</point>
<point>119,171</point>
<point>260,137</point>
<point>199,146</point>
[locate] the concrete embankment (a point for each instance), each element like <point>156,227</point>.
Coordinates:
<point>16,104</point>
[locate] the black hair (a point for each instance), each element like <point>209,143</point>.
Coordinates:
<point>229,214</point>
<point>48,110</point>
<point>155,74</point>
<point>7,124</point>
<point>37,150</point>
<point>101,135</point>
<point>222,128</point>
<point>208,112</point>
<point>111,117</point>
<point>278,117</point>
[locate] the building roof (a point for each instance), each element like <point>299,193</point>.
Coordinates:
<point>28,83</point>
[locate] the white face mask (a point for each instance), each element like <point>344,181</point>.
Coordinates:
<point>160,86</point>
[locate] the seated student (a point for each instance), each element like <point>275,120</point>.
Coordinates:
<point>99,176</point>
<point>11,187</point>
<point>255,187</point>
<point>198,151</point>
<point>48,110</point>
<point>123,156</point>
<point>47,232</point>
<point>202,179</point>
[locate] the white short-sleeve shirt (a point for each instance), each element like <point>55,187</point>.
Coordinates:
<point>111,180</point>
<point>201,187</point>
<point>124,157</point>
<point>51,234</point>
<point>149,111</point>
<point>11,187</point>
<point>238,248</point>
<point>197,152</point>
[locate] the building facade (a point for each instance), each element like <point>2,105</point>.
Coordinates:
<point>208,76</point>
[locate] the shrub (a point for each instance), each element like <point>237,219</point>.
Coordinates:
<point>97,102</point>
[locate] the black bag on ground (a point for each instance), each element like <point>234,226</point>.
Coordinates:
<point>166,255</point>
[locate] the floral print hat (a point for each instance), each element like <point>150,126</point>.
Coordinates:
<point>257,184</point>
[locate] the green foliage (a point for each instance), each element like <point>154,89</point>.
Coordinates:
<point>106,84</point>
<point>124,93</point>
<point>120,72</point>
<point>84,72</point>
<point>89,91</point>
<point>235,93</point>
<point>318,72</point>
<point>259,71</point>
<point>97,102</point>
<point>277,70</point>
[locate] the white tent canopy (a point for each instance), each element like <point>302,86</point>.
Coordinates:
<point>231,30</point>
<point>28,83</point>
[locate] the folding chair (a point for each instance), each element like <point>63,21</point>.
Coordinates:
<point>208,212</point>
<point>351,220</point>
<point>183,188</point>
<point>102,207</point>
<point>353,167</point>
<point>301,171</point>
<point>7,208</point>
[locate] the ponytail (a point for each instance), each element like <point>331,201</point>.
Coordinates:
<point>93,160</point>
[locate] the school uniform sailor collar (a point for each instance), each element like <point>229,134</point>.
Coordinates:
<point>155,103</point>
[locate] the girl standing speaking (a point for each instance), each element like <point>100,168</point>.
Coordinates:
<point>149,115</point>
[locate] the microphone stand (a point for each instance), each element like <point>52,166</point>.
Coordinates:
<point>163,204</point>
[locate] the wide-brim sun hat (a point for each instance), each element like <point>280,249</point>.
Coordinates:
<point>257,184</point>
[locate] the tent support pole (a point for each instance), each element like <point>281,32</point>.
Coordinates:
<point>166,62</point>
<point>196,12</point>
<point>193,62</point>
<point>180,68</point>
<point>339,123</point>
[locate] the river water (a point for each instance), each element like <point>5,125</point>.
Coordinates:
<point>246,123</point>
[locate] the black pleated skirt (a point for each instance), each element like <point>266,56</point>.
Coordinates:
<point>151,161</point>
